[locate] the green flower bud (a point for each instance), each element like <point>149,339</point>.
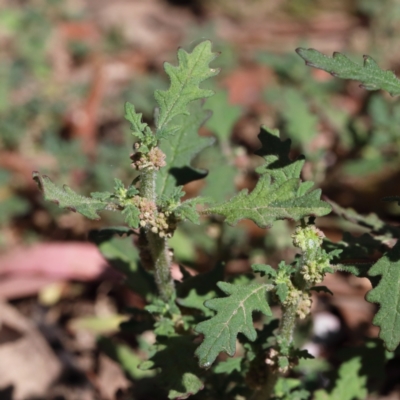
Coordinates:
<point>308,238</point>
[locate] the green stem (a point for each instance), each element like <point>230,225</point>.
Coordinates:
<point>285,336</point>
<point>288,323</point>
<point>148,184</point>
<point>162,265</point>
<point>158,246</point>
<point>299,287</point>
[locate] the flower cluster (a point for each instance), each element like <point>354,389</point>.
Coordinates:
<point>160,223</point>
<point>153,160</point>
<point>315,260</point>
<point>308,238</point>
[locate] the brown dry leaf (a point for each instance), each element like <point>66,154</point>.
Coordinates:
<point>27,364</point>
<point>24,271</point>
<point>110,379</point>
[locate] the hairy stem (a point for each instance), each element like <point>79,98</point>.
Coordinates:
<point>285,335</point>
<point>288,323</point>
<point>148,184</point>
<point>162,265</point>
<point>158,246</point>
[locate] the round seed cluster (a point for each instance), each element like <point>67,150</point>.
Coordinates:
<point>304,307</point>
<point>161,226</point>
<point>153,160</point>
<point>313,271</point>
<point>301,299</point>
<point>160,223</point>
<point>146,207</point>
<point>293,297</point>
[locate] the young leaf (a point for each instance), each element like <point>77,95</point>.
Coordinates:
<point>65,197</point>
<point>279,193</point>
<point>187,210</point>
<point>131,214</point>
<point>264,269</point>
<point>349,385</point>
<point>179,370</point>
<point>282,291</point>
<point>387,295</point>
<point>185,80</point>
<point>369,74</point>
<point>234,316</point>
<point>139,128</point>
<point>180,150</point>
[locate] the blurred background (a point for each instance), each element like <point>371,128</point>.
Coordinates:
<point>66,69</point>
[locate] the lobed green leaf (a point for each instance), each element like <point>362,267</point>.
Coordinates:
<point>369,74</point>
<point>279,193</point>
<point>264,269</point>
<point>234,316</point>
<point>193,68</point>
<point>131,215</point>
<point>187,210</point>
<point>387,295</point>
<point>180,149</point>
<point>138,127</point>
<point>65,197</point>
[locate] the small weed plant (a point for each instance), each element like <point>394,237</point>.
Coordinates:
<point>200,320</point>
